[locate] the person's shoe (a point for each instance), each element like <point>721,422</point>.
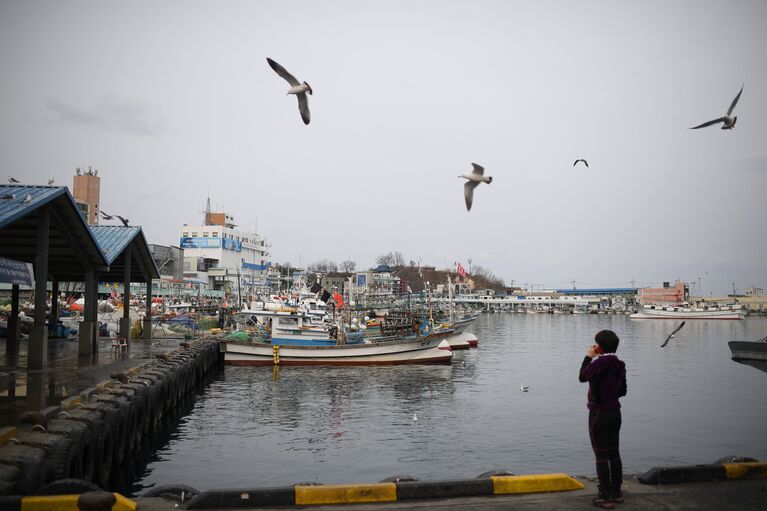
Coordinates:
<point>617,498</point>
<point>603,502</point>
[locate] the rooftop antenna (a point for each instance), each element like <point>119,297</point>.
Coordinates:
<point>573,283</point>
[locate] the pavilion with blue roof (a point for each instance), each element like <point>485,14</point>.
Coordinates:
<point>42,226</point>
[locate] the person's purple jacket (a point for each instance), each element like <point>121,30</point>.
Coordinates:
<point>606,375</point>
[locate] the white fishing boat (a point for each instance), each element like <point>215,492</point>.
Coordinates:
<point>686,312</point>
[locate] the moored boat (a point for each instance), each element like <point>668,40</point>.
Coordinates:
<point>748,350</point>
<point>686,312</point>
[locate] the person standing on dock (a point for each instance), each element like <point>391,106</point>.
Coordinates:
<point>606,375</point>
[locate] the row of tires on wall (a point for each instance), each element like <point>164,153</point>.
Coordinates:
<point>88,436</point>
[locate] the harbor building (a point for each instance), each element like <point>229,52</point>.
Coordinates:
<point>666,295</point>
<point>224,257</point>
<point>86,190</point>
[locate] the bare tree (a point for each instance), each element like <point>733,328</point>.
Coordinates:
<point>387,259</point>
<point>391,259</point>
<point>348,266</point>
<point>324,266</point>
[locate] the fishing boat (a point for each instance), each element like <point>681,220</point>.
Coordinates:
<point>286,337</point>
<point>734,311</point>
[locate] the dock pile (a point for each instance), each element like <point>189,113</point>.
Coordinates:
<point>87,436</point>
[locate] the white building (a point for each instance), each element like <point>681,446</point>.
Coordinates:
<point>218,254</point>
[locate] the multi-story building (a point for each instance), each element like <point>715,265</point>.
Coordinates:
<point>219,254</point>
<point>86,190</point>
<point>666,295</point>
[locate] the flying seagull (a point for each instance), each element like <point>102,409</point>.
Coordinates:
<point>51,181</point>
<point>296,87</point>
<point>524,388</point>
<point>729,122</point>
<point>476,177</point>
<point>123,220</point>
<point>106,217</point>
<point>584,161</point>
<point>13,180</point>
<point>672,334</point>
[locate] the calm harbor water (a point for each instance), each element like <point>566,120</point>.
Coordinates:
<point>686,403</point>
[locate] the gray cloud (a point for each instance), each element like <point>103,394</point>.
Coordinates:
<point>110,114</point>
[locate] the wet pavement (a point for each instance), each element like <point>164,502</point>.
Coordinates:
<point>741,495</point>
<point>67,374</point>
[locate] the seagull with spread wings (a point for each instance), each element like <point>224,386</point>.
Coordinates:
<point>298,88</point>
<point>584,161</point>
<point>671,335</point>
<point>728,122</point>
<point>477,176</point>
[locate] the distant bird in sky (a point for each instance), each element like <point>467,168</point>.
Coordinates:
<point>296,87</point>
<point>672,334</point>
<point>476,177</point>
<point>8,196</point>
<point>27,199</point>
<point>12,180</point>
<point>584,161</point>
<point>51,181</point>
<point>524,388</point>
<point>729,122</point>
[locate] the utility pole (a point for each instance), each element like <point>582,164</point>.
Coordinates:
<point>633,284</point>
<point>573,283</point>
<point>469,259</point>
<point>733,290</point>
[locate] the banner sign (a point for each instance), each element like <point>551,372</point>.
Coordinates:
<point>231,244</point>
<point>16,272</point>
<point>362,280</point>
<point>200,242</point>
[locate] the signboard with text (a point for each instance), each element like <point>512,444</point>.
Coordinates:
<point>200,242</point>
<point>16,272</point>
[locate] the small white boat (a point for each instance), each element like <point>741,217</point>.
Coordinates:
<point>686,312</point>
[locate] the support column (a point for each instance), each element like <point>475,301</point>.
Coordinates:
<point>12,344</point>
<point>54,306</point>
<point>148,318</point>
<point>125,320</point>
<point>38,338</point>
<point>86,325</point>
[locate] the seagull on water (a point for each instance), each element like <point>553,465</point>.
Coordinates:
<point>729,122</point>
<point>672,334</point>
<point>296,87</point>
<point>584,161</point>
<point>477,176</point>
<point>524,388</point>
<point>415,417</point>
<point>12,180</point>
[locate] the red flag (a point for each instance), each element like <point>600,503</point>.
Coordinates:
<point>338,299</point>
<point>461,271</point>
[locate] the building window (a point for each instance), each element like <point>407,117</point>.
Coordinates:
<point>185,234</point>
<point>215,234</point>
<point>204,234</point>
<point>194,235</point>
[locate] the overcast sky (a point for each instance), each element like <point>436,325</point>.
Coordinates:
<point>174,100</point>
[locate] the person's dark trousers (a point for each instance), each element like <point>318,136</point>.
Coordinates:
<point>604,431</point>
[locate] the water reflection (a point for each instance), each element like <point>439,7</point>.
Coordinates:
<point>687,403</point>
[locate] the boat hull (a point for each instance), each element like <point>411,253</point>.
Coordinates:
<point>748,350</point>
<point>417,351</point>
<point>688,314</point>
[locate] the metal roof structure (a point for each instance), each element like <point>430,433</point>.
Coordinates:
<point>598,291</point>
<point>71,243</point>
<point>115,241</point>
